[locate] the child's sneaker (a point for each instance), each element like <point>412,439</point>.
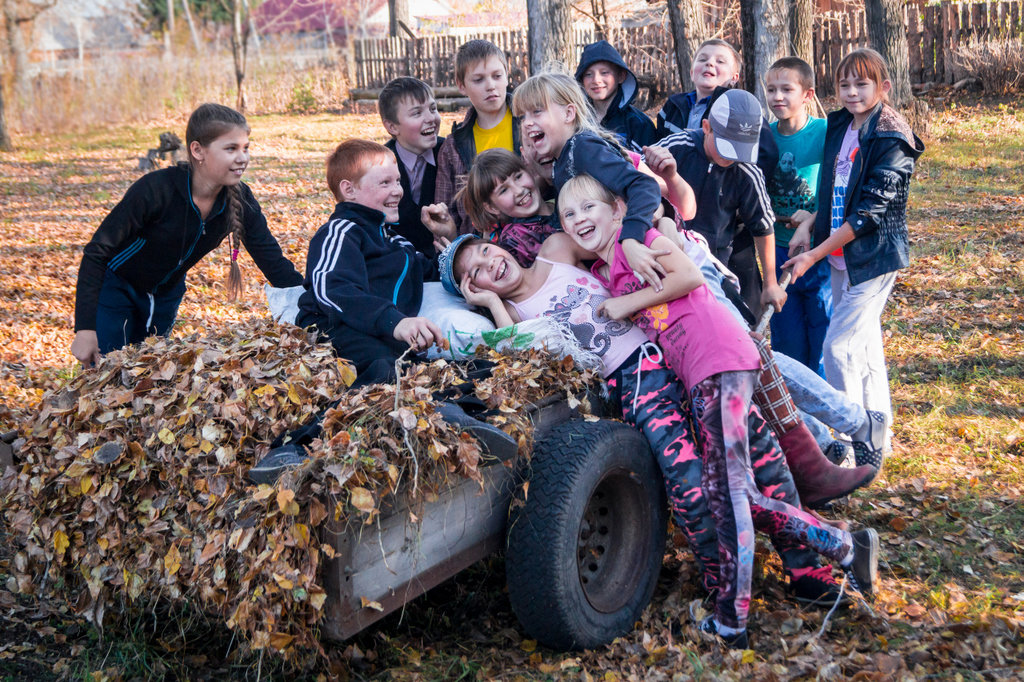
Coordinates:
<point>737,641</point>
<point>862,573</point>
<point>869,442</point>
<point>836,452</point>
<point>277,461</point>
<point>818,588</point>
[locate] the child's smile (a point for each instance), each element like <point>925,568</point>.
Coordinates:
<point>489,268</point>
<point>713,66</point>
<point>548,129</point>
<point>516,196</point>
<point>591,223</point>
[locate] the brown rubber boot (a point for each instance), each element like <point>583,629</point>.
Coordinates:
<point>818,480</point>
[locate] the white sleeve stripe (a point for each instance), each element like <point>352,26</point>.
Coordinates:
<point>330,250</point>
<point>767,216</point>
<point>680,139</point>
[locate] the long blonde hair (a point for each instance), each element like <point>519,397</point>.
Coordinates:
<point>552,87</point>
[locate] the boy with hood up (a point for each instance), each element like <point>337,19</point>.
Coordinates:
<point>611,87</point>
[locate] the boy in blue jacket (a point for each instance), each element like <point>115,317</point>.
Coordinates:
<point>611,88</point>
<point>364,282</point>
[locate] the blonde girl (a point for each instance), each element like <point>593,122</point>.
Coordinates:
<point>714,357</point>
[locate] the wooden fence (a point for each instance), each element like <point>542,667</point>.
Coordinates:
<point>934,32</point>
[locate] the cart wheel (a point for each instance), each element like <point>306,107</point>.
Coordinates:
<point>585,550</point>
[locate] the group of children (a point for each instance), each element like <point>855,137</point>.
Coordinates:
<point>669,221</point>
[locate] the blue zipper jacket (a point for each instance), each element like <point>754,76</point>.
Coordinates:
<point>361,274</point>
<point>155,234</point>
<point>876,195</point>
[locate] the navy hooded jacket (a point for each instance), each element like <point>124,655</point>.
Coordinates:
<point>631,124</point>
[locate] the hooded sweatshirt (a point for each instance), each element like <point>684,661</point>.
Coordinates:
<point>632,125</point>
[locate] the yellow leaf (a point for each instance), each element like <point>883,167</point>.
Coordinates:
<point>60,542</point>
<point>284,497</point>
<point>86,485</point>
<point>748,656</point>
<point>263,492</point>
<point>283,582</point>
<point>265,389</point>
<point>348,373</point>
<point>317,599</point>
<point>172,560</point>
<point>280,640</point>
<point>361,499</point>
<point>528,645</point>
<point>293,395</point>
<point>367,604</point>
<point>302,531</point>
<point>165,436</point>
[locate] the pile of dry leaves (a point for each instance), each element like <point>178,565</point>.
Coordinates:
<point>131,484</point>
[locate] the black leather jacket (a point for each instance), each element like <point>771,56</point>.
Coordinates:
<point>876,196</point>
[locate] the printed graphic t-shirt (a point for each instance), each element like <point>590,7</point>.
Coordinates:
<point>794,185</point>
<point>844,164</point>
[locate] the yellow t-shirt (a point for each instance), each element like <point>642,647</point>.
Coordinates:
<point>498,137</point>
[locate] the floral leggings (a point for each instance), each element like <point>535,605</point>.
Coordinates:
<point>721,405</point>
<point>655,401</point>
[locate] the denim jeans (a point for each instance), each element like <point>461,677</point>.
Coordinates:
<point>854,356</point>
<point>821,406</point>
<point>798,330</point>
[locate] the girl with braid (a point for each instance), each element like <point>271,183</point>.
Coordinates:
<point>132,276</point>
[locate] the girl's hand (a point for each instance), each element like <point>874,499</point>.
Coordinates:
<point>644,262</point>
<point>419,332</point>
<point>660,161</point>
<point>478,297</point>
<point>86,348</point>
<point>437,219</point>
<point>800,241</point>
<point>799,217</point>
<point>800,263</point>
<point>614,308</point>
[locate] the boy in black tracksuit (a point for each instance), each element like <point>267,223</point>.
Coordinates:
<point>611,88</point>
<point>364,282</point>
<point>733,208</point>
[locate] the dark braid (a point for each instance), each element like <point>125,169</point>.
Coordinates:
<point>208,122</point>
<point>234,282</point>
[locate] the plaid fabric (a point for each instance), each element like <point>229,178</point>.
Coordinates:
<point>771,395</point>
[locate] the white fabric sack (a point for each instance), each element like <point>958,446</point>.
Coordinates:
<point>283,302</point>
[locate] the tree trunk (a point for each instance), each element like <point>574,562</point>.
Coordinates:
<point>170,17</point>
<point>549,34</point>
<point>191,24</point>
<point>600,16</point>
<point>239,48</point>
<point>398,11</point>
<point>765,39</point>
<point>688,32</point>
<point>888,34</point>
<point>801,29</point>
<point>5,139</point>
<point>18,51</point>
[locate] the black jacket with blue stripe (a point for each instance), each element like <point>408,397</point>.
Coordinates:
<point>155,234</point>
<point>362,275</point>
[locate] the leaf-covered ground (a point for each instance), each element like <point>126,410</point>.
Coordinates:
<point>947,505</point>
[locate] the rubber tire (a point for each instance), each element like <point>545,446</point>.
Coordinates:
<point>555,594</point>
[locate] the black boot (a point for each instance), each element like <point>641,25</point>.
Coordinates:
<point>497,443</point>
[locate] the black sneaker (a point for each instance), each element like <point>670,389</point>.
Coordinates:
<point>818,588</point>
<point>870,449</point>
<point>497,443</point>
<point>862,573</point>
<point>277,461</point>
<point>710,627</point>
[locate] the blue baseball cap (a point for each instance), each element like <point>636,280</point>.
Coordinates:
<point>446,263</point>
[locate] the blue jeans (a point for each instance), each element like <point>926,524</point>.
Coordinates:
<point>798,330</point>
<point>124,316</point>
<point>820,404</point>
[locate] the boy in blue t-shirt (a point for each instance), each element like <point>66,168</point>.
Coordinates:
<point>799,329</point>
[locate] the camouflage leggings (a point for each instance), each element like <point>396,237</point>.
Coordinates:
<point>655,401</point>
<point>721,406</point>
